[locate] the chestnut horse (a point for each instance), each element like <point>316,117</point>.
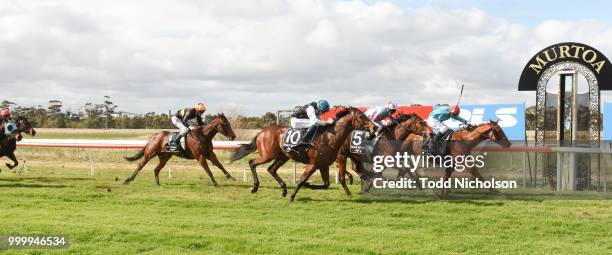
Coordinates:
<point>387,145</point>
<point>326,143</point>
<point>462,142</point>
<point>198,143</point>
<point>8,147</point>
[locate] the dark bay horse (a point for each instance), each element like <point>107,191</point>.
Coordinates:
<point>388,144</point>
<point>326,143</point>
<point>198,143</point>
<point>8,147</point>
<point>462,143</point>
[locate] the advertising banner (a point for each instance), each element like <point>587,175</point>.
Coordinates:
<point>511,117</point>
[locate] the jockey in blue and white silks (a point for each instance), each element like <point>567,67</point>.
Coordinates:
<point>378,113</point>
<point>440,114</point>
<point>309,116</point>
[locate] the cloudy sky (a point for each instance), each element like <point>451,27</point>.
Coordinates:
<point>250,56</point>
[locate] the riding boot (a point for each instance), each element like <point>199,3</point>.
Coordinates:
<point>309,134</point>
<point>437,141</point>
<point>175,141</point>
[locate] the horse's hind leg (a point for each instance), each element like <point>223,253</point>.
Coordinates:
<point>142,163</point>
<point>202,161</point>
<point>11,156</point>
<point>272,170</point>
<point>163,159</point>
<point>253,163</point>
<point>213,158</point>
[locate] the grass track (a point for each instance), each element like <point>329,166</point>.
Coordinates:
<point>188,215</point>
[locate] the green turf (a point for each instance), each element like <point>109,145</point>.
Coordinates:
<point>187,215</point>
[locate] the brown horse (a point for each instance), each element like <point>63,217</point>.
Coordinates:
<point>198,143</point>
<point>326,143</point>
<point>8,147</point>
<point>387,145</point>
<point>461,144</point>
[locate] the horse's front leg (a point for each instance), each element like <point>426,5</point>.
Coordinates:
<point>310,169</point>
<point>11,156</point>
<point>325,176</point>
<point>443,192</point>
<point>478,176</point>
<point>213,158</point>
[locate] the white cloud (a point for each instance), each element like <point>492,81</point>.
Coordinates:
<point>257,56</point>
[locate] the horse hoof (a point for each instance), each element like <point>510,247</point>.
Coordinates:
<point>254,189</point>
<point>284,193</point>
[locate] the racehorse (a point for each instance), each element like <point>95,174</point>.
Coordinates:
<point>461,143</point>
<point>8,147</point>
<point>326,143</point>
<point>198,145</point>
<point>405,125</point>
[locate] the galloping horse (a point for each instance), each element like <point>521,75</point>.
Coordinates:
<point>461,144</point>
<point>387,145</point>
<point>10,144</point>
<point>198,143</point>
<point>327,142</point>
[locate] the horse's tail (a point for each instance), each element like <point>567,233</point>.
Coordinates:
<point>245,149</point>
<point>135,157</point>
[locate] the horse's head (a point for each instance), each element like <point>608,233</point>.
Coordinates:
<point>353,117</point>
<point>222,125</point>
<point>23,125</point>
<point>495,133</point>
<point>411,123</point>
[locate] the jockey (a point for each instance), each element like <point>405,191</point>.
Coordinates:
<point>6,124</point>
<point>182,117</point>
<point>309,116</point>
<point>441,113</point>
<point>377,114</point>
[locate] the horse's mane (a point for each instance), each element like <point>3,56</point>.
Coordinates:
<point>474,127</point>
<point>404,117</point>
<point>345,111</point>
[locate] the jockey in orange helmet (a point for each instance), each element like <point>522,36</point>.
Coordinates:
<point>182,117</point>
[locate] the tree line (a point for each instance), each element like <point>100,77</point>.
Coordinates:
<point>104,115</point>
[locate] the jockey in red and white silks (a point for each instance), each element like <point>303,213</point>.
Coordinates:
<point>378,113</point>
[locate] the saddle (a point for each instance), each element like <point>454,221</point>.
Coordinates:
<point>180,149</point>
<point>293,137</point>
<point>439,147</point>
